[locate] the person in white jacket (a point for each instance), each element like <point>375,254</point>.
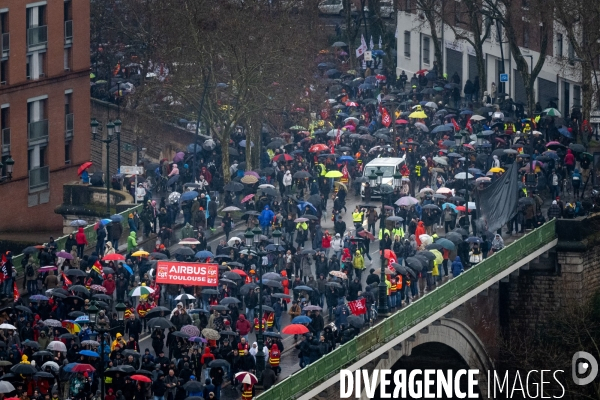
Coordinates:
<point>337,245</point>
<point>287,181</point>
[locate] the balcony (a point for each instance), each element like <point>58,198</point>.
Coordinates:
<point>68,32</point>
<point>37,36</point>
<point>69,126</point>
<point>5,44</point>
<point>5,141</point>
<point>38,132</point>
<point>38,178</point>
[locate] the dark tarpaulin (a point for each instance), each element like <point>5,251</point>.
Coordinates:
<point>498,202</point>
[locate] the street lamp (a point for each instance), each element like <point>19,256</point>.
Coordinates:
<point>118,124</point>
<point>397,180</point>
<point>9,162</point>
<point>253,236</point>
<point>92,313</point>
<point>458,139</point>
<point>382,309</point>
<point>110,131</point>
<point>277,234</point>
<point>249,236</point>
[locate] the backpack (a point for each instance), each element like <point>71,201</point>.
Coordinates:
<point>30,270</point>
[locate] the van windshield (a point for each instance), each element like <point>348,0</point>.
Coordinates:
<point>388,171</point>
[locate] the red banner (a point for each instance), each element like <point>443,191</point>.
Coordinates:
<point>191,274</point>
<point>358,307</point>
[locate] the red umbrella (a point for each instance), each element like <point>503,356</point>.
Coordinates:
<point>401,122</point>
<point>422,72</point>
<point>140,378</point>
<point>461,208</point>
<point>366,234</point>
<point>248,197</point>
<point>380,77</point>
<point>469,146</point>
<point>83,368</point>
<point>247,378</point>
<point>113,257</point>
<point>239,272</point>
<point>351,104</point>
<point>295,329</point>
<point>387,253</point>
<point>318,147</point>
<point>83,167</point>
<point>283,158</point>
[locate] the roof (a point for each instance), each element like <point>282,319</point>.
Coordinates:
<point>387,161</point>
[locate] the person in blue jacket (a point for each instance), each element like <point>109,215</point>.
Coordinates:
<point>265,218</point>
<point>457,267</point>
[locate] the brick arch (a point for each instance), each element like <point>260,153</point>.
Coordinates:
<point>454,334</point>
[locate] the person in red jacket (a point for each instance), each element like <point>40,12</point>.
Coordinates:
<point>109,284</point>
<point>243,326</point>
<point>326,243</point>
<point>274,358</point>
<point>420,231</point>
<point>206,358</point>
<point>570,161</point>
<point>81,241</point>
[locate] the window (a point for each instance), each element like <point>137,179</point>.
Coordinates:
<point>407,5</point>
<point>4,72</point>
<point>67,59</point>
<point>576,95</point>
<point>67,153</point>
<point>5,128</point>
<point>68,18</point>
<point>37,155</point>
<point>406,43</point>
<point>426,51</point>
<point>559,45</point>
<point>5,43</point>
<point>37,31</point>
<point>38,125</point>
<point>456,13</point>
<point>526,36</point>
<point>68,116</point>
<point>35,65</point>
<point>571,52</point>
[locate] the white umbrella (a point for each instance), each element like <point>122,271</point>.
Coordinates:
<point>141,290</point>
<point>536,133</point>
<point>463,175</point>
<point>444,190</point>
<point>185,296</point>
<point>189,241</point>
<point>51,364</point>
<point>266,185</point>
<point>426,239</point>
<point>56,346</point>
<point>422,126</point>
<point>6,387</point>
<point>351,119</point>
<point>174,197</point>
<point>477,118</point>
<point>440,160</point>
<point>426,190</point>
<point>7,326</point>
<point>230,208</point>
<point>431,104</point>
<point>231,241</point>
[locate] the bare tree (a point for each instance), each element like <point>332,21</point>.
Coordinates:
<point>432,12</point>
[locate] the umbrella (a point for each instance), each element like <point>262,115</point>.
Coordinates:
<point>190,330</point>
<point>24,309</point>
<point>50,364</point>
<point>75,272</point>
<point>160,322</point>
<point>304,287</point>
<point>302,175</point>
<point>184,251</point>
<point>7,326</point>
<point>7,387</point>
<point>65,255</point>
<point>406,201</point>
<point>210,334</point>
<point>23,369</point>
<point>463,175</point>
<point>192,194</point>
<point>356,321</point>
<point>52,323</point>
<point>422,126</point>
<point>158,256</point>
<point>301,319</point>
<point>83,368</point>
<point>552,112</point>
<point>89,353</point>
<point>234,187</point>
<point>577,147</point>
<point>143,378</point>
<point>204,254</point>
<point>185,296</point>
<point>295,329</point>
<point>78,222</point>
<point>116,218</point>
<point>249,179</point>
<point>39,297</point>
<point>140,253</point>
<point>32,344</point>
<point>90,343</point>
<point>159,309</point>
<point>83,167</point>
<point>141,290</point>
<point>113,257</point>
<point>190,386</point>
<point>246,378</point>
<point>218,363</point>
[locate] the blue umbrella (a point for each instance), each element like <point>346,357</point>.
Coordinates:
<point>475,171</point>
<point>466,112</point>
<point>272,247</point>
<point>378,53</point>
<point>83,318</point>
<point>563,131</point>
<point>116,218</point>
<point>243,143</point>
<point>473,239</point>
<point>302,205</point>
<point>441,128</point>
<point>192,194</point>
<point>305,288</point>
<point>38,297</point>
<point>366,86</point>
<point>172,180</point>
<point>190,148</point>
<point>128,268</point>
<point>446,244</point>
<point>301,319</point>
<point>346,158</point>
<point>106,221</point>
<point>452,206</point>
<point>204,254</point>
<point>70,366</point>
<point>89,353</point>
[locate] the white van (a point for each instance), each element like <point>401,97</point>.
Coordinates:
<point>388,165</point>
<point>334,7</point>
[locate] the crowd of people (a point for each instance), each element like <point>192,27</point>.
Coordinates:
<point>68,338</point>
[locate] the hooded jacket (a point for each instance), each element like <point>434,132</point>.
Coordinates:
<point>243,326</point>
<point>287,178</point>
<point>457,267</point>
<point>569,158</point>
<point>109,248</point>
<point>80,237</point>
<point>265,217</point>
<point>175,170</point>
<point>419,231</point>
<point>131,242</point>
<point>110,285</point>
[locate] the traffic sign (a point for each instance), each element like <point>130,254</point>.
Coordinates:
<point>595,120</point>
<point>503,77</point>
<point>595,113</point>
<point>131,170</point>
<point>368,56</point>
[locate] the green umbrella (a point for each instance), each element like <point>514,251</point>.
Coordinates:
<point>552,112</point>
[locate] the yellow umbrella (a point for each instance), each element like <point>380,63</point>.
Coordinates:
<point>249,179</point>
<point>439,258</point>
<point>418,115</point>
<point>333,174</point>
<point>140,253</point>
<point>496,169</point>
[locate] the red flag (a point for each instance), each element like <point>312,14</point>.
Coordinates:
<point>386,120</point>
<point>66,280</point>
<point>358,307</point>
<point>16,294</point>
<point>469,127</point>
<point>456,127</point>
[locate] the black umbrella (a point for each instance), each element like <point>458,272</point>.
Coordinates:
<point>218,363</point>
<point>229,300</point>
<point>301,175</point>
<point>414,263</point>
<point>244,290</point>
<point>32,344</point>
<point>234,187</point>
<point>75,272</point>
<point>75,314</point>
<point>356,321</point>
<point>230,333</point>
<point>219,307</point>
<point>461,231</point>
<point>24,309</point>
<point>273,334</point>
<point>400,268</point>
<point>80,289</point>
<point>193,386</point>
<point>30,250</point>
<point>180,334</point>
<point>42,353</point>
<point>23,369</point>
<point>159,322</point>
<point>184,251</point>
<point>44,375</point>
<point>434,246</point>
<point>233,152</point>
<point>159,256</point>
<point>159,309</point>
<point>101,296</point>
<point>427,254</point>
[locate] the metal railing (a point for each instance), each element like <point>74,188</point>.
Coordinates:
<point>38,130</point>
<point>5,43</point>
<point>90,233</point>
<point>37,36</point>
<point>39,177</point>
<point>69,126</point>
<point>404,319</point>
<point>68,32</point>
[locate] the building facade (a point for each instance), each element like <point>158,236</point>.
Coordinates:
<point>45,108</point>
<point>559,79</point>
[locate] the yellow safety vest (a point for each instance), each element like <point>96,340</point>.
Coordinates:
<point>322,169</point>
<point>357,217</point>
<point>382,233</point>
<point>398,231</point>
<point>417,170</point>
